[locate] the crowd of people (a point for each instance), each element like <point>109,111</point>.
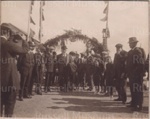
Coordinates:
<point>89,71</point>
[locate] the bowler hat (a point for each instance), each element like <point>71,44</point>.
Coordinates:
<point>118,45</point>
<point>133,40</point>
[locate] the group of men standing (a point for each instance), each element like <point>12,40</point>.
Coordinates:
<point>70,70</point>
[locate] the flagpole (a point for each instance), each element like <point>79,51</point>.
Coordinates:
<point>28,31</point>
<point>40,28</point>
<point>107,16</point>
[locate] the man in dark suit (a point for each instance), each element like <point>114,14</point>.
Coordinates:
<point>26,63</point>
<point>9,74</point>
<point>49,68</point>
<point>135,72</point>
<point>81,70</point>
<point>63,68</point>
<point>120,74</point>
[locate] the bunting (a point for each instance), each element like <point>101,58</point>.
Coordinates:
<point>104,19</point>
<point>32,33</point>
<point>106,10</point>
<point>43,15</point>
<point>31,21</point>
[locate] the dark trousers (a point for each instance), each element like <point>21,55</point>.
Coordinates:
<point>121,89</point>
<point>49,79</point>
<point>31,84</point>
<point>136,88</point>
<point>8,100</point>
<point>63,77</point>
<point>81,78</point>
<point>25,81</point>
<point>39,78</point>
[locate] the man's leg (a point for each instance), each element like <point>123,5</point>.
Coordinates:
<point>10,103</point>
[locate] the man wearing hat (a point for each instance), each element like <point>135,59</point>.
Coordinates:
<point>9,74</point>
<point>135,71</point>
<point>63,61</point>
<point>119,73</point>
<point>49,68</point>
<point>25,64</point>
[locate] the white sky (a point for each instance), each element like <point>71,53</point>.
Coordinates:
<point>126,19</point>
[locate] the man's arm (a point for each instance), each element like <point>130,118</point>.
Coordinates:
<point>15,49</point>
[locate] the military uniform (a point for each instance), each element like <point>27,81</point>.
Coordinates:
<point>26,64</point>
<point>39,72</point>
<point>49,71</point>
<point>9,74</point>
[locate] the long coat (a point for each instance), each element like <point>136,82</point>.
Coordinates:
<point>135,63</point>
<point>9,74</point>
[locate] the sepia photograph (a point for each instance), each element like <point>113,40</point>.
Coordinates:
<point>74,59</point>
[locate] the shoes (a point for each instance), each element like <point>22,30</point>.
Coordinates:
<point>20,99</point>
<point>28,97</point>
<point>118,99</point>
<point>138,109</point>
<point>130,106</point>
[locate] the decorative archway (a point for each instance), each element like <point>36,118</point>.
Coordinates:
<point>73,36</point>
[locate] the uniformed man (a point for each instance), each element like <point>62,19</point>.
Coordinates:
<point>135,71</point>
<point>9,74</point>
<point>26,63</point>
<point>63,61</point>
<point>49,68</point>
<point>39,70</point>
<point>120,74</point>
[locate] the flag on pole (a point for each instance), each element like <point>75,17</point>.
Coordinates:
<point>32,2</point>
<point>32,33</point>
<point>31,21</point>
<point>106,2</point>
<point>43,3</point>
<point>106,10</point>
<point>43,15</point>
<point>107,33</point>
<point>105,18</point>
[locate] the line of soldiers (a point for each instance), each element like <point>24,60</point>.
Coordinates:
<point>70,70</point>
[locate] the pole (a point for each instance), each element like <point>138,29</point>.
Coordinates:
<point>28,30</point>
<point>40,28</point>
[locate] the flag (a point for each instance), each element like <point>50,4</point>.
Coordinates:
<point>106,10</point>
<point>107,33</point>
<point>32,2</point>
<point>105,18</point>
<point>43,15</point>
<point>106,2</point>
<point>31,20</point>
<point>32,33</point>
<point>43,3</point>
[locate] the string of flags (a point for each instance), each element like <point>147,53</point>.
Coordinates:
<point>105,19</point>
